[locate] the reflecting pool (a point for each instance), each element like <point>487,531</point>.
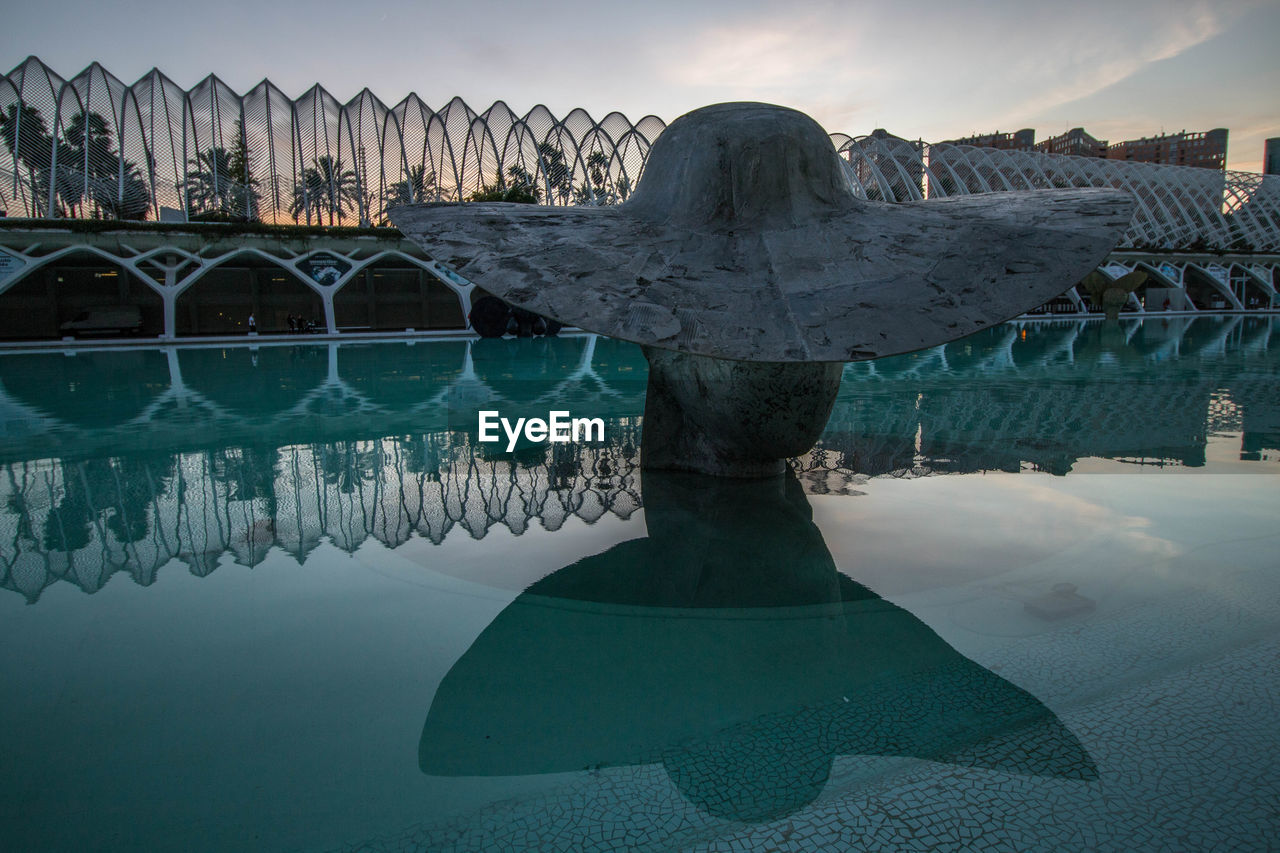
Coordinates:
<point>1024,595</point>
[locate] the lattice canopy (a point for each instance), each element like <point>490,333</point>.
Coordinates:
<point>92,146</point>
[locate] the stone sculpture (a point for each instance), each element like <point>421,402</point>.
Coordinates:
<point>1112,296</point>
<point>749,271</point>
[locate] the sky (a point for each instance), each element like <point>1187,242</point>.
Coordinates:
<point>931,69</point>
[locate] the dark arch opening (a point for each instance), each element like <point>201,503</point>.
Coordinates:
<point>1203,292</point>
<point>1060,304</point>
<point>220,302</point>
<point>1251,293</point>
<point>80,294</point>
<point>393,295</point>
<point>1141,290</point>
<point>1161,292</point>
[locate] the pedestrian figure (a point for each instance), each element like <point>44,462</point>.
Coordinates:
<point>253,325</point>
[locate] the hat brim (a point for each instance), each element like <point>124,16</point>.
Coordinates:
<point>866,280</point>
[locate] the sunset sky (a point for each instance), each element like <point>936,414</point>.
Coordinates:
<point>931,69</point>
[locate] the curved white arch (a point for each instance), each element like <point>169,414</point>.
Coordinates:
<point>159,129</point>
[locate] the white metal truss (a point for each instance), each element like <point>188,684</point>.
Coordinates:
<point>170,270</point>
<point>1179,207</point>
<point>92,146</point>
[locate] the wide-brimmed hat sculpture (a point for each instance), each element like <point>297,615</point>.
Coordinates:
<point>749,270</point>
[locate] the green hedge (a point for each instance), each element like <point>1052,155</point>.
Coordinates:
<point>212,229</point>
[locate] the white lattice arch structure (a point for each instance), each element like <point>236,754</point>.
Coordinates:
<point>209,150</point>
<point>1179,207</point>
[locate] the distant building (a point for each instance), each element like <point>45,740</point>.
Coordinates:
<point>882,158</point>
<point>1021,140</point>
<point>1271,157</point>
<point>1075,142</point>
<point>1206,150</point>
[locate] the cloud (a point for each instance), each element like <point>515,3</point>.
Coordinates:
<point>943,69</point>
<point>978,527</point>
<point>1091,58</point>
<point>764,55</point>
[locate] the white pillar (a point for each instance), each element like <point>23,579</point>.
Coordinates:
<point>170,299</point>
<point>465,296</point>
<point>330,322</point>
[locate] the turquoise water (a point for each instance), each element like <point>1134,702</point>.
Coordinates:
<point>1024,594</point>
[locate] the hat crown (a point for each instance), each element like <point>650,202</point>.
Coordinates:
<point>741,165</point>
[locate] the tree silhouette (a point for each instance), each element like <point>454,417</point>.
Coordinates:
<point>419,185</point>
<point>131,199</point>
<point>219,185</point>
<point>559,176</point>
<point>208,186</point>
<point>27,137</point>
<point>596,189</point>
<point>520,189</point>
<point>89,170</point>
<point>325,187</point>
<point>86,162</point>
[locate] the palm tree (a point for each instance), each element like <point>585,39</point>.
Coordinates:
<point>248,201</point>
<point>558,175</point>
<point>129,199</point>
<point>417,186</point>
<point>596,191</point>
<point>209,185</point>
<point>24,133</point>
<point>520,189</point>
<point>326,186</point>
<point>89,169</point>
<point>88,136</point>
<point>307,192</point>
<point>218,183</point>
<point>91,164</point>
<point>82,150</point>
<point>96,173</point>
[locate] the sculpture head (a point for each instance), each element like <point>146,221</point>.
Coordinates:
<point>741,165</point>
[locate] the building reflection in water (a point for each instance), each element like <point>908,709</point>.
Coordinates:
<point>123,461</point>
<point>727,647</point>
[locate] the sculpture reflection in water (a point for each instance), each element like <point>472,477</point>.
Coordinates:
<point>727,647</point>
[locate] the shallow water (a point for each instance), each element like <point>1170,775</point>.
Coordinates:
<point>1023,595</point>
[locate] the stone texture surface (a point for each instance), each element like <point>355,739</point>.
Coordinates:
<point>744,241</point>
<point>733,418</point>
